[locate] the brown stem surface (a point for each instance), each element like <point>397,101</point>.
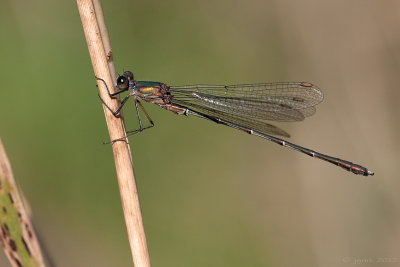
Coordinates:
<point>91,19</point>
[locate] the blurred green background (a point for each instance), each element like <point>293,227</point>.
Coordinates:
<point>210,195</point>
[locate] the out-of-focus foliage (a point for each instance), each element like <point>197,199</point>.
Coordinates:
<point>210,195</point>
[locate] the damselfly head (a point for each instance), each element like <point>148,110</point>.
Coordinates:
<point>128,75</point>
<point>123,80</point>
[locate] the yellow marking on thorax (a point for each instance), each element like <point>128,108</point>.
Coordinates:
<point>148,90</point>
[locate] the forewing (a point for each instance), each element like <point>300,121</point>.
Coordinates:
<point>267,101</point>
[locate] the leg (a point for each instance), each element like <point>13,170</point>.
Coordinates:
<point>137,103</point>
<point>138,115</point>
<point>118,111</point>
<point>141,128</point>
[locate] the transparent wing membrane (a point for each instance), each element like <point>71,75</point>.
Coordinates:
<point>265,101</point>
<point>244,122</point>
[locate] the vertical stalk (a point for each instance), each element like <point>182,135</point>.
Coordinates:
<point>91,17</point>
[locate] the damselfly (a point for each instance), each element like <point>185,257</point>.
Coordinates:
<point>244,107</point>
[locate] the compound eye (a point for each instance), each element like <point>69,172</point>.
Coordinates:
<point>122,82</point>
<point>128,75</point>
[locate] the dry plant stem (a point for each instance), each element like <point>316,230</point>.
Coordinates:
<point>107,48</point>
<point>22,228</point>
<point>104,36</point>
<point>122,157</point>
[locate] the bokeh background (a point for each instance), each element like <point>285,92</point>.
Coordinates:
<point>210,195</point>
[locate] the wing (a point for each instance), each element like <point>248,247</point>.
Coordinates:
<point>266,101</point>
<point>237,120</point>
